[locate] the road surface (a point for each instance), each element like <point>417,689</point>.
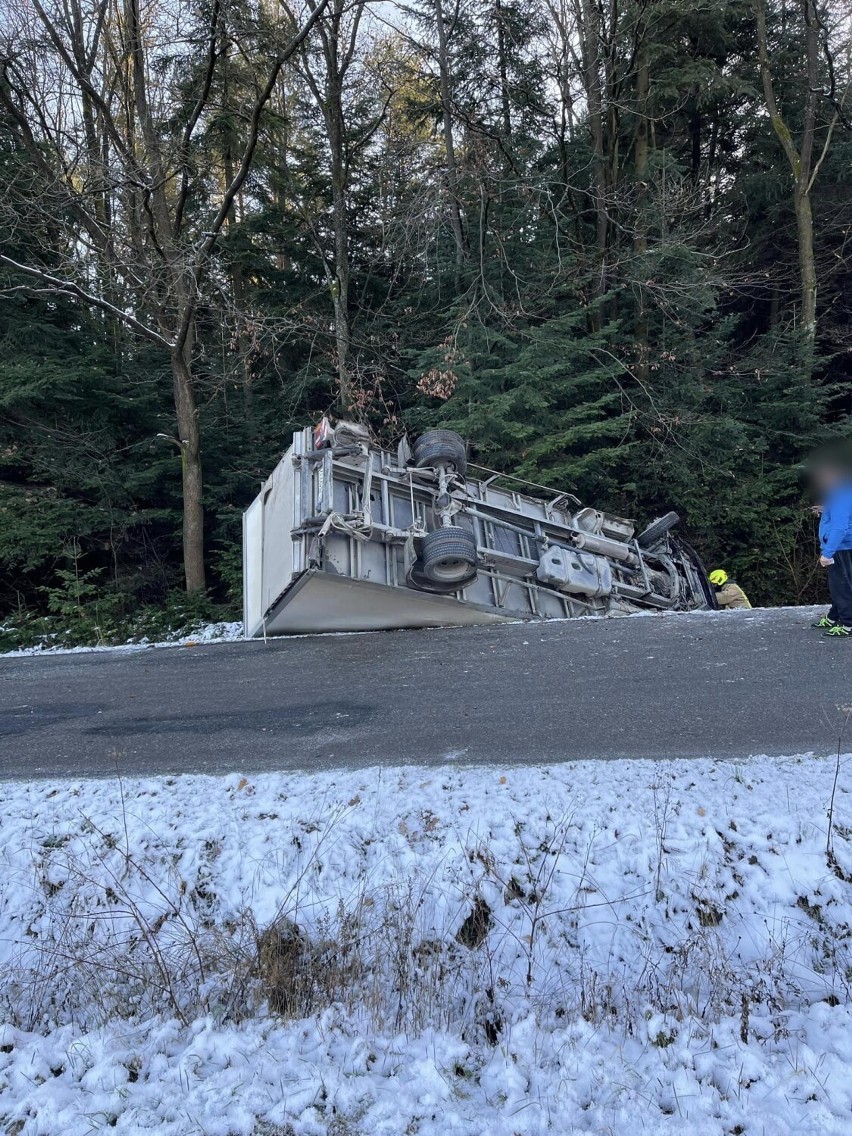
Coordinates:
<point>722,684</point>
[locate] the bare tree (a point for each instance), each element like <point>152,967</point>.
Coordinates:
<point>594,42</point>
<point>109,99</point>
<point>803,157</point>
<point>337,38</point>
<point>445,77</point>
<point>589,23</point>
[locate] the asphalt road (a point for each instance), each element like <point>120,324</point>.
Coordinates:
<point>727,685</point>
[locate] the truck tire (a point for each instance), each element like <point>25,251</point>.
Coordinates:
<point>449,556</point>
<point>657,530</point>
<point>441,447</point>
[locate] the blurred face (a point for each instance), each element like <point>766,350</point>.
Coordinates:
<point>830,466</point>
<point>827,477</point>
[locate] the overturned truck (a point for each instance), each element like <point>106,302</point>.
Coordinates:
<point>345,536</point>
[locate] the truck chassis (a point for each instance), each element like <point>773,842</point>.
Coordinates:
<point>345,536</point>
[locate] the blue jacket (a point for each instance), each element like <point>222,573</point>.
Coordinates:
<point>835,526</point>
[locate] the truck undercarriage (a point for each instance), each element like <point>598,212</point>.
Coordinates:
<point>345,536</point>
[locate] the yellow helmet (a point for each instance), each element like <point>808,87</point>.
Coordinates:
<point>718,577</point>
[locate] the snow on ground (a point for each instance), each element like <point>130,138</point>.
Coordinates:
<point>599,947</point>
<point>206,633</point>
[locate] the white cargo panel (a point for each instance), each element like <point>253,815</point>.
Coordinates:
<point>271,556</point>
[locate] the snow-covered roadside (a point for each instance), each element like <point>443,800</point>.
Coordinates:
<point>593,948</point>
<point>207,633</point>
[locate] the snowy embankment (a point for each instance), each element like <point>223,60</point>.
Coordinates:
<point>204,633</point>
<point>597,947</point>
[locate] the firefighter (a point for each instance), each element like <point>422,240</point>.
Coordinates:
<point>728,592</point>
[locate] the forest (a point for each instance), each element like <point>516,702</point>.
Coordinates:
<point>608,241</point>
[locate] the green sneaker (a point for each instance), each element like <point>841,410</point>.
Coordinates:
<point>823,623</point>
<point>838,631</point>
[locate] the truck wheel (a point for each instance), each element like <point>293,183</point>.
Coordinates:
<point>417,579</point>
<point>657,530</point>
<point>441,447</point>
<point>449,556</point>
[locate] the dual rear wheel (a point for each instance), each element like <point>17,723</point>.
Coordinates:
<point>448,555</point>
<point>441,448</point>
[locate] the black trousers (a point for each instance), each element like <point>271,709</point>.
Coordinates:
<point>840,586</point>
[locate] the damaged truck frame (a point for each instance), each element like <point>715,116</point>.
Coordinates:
<point>345,536</point>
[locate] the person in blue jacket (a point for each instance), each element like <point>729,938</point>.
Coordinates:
<point>834,483</point>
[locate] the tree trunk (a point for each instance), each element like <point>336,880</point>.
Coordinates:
<point>189,435</point>
<point>695,146</point>
<point>338,51</point>
<point>591,35</point>
<point>640,237</point>
<point>237,283</point>
<point>449,145</point>
<point>801,158</point>
<point>807,264</point>
<point>340,283</point>
<point>505,102</point>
